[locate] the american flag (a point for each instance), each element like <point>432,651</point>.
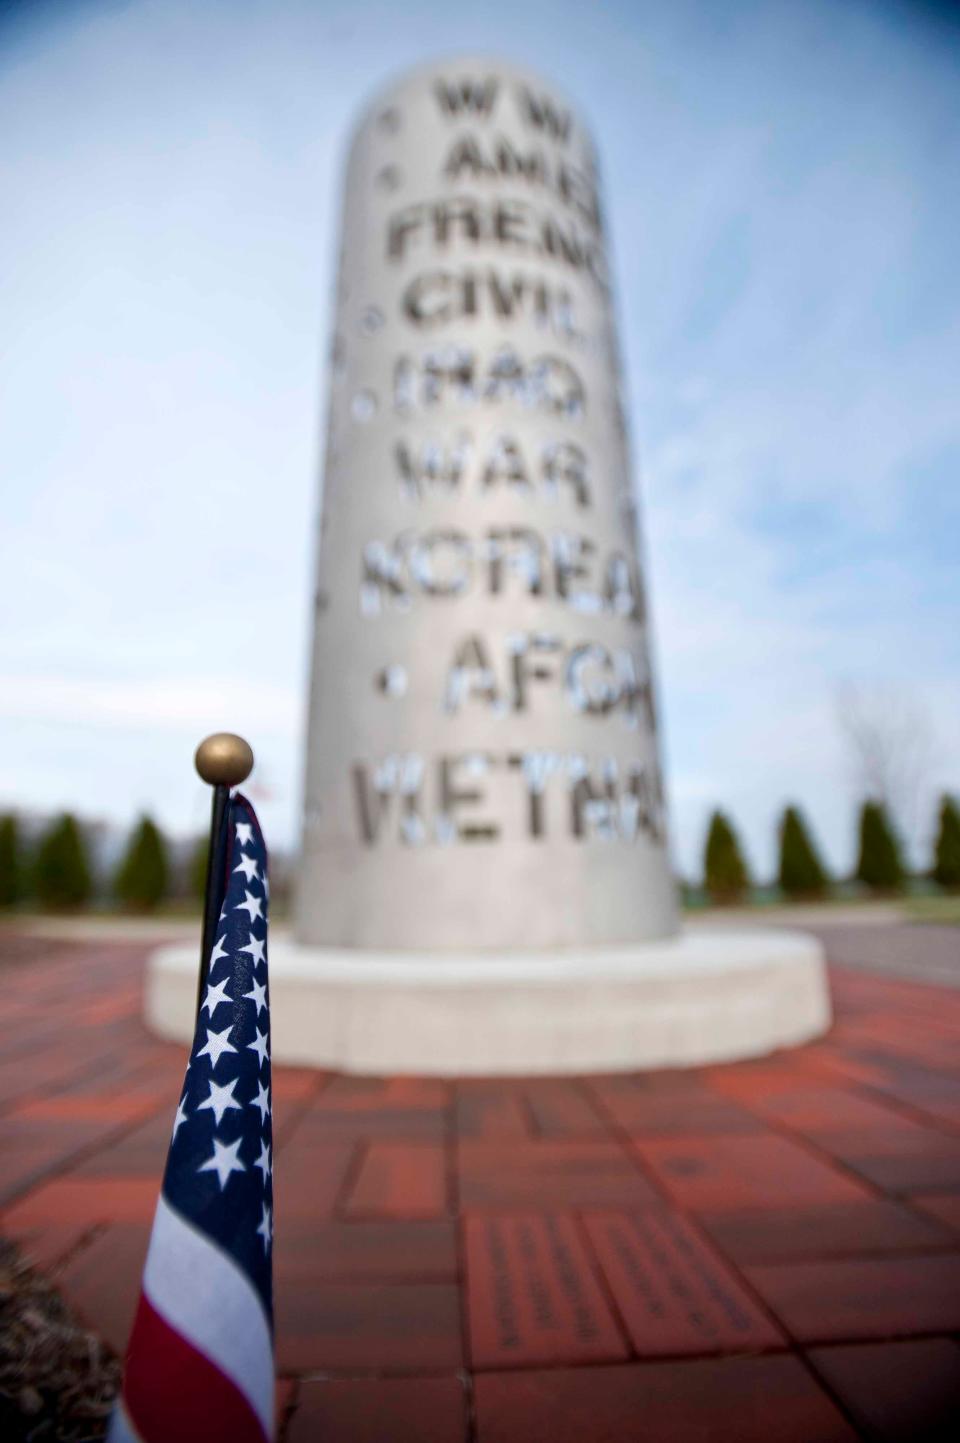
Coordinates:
<point>200,1358</point>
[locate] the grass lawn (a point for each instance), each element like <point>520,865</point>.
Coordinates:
<point>945,911</point>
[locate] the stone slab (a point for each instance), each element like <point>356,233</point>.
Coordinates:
<point>700,997</point>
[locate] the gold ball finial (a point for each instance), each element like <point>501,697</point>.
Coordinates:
<point>224,760</point>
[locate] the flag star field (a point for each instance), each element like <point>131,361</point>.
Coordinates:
<point>206,1305</point>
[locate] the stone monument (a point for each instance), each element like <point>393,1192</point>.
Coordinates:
<point>482,763</point>
<point>485,881</point>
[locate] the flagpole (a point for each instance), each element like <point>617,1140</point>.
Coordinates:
<point>223,760</point>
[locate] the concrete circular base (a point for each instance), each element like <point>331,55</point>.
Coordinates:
<point>697,998</point>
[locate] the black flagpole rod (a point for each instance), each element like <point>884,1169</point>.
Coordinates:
<point>223,760</point>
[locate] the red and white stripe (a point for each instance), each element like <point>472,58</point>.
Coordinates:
<point>200,1360</point>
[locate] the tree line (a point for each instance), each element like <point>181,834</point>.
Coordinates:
<point>57,871</point>
<point>801,872</point>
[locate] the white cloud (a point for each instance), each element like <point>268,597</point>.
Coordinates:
<point>189,703</point>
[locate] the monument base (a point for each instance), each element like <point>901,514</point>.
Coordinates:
<point>698,998</point>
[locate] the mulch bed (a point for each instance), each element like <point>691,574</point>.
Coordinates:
<point>57,1379</point>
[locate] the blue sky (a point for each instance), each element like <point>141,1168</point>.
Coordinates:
<point>781,186</point>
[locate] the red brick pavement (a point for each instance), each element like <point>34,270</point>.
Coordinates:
<point>765,1251</point>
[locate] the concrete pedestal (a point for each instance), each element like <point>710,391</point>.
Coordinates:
<point>698,998</point>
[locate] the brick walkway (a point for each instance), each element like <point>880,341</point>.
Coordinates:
<point>766,1252</point>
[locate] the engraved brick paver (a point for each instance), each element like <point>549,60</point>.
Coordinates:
<point>675,1294</point>
<point>532,1296</point>
<point>768,1250</point>
<point>742,1172</point>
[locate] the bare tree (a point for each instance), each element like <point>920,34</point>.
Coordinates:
<point>890,745</point>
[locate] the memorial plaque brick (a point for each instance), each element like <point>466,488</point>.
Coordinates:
<point>719,1173</point>
<point>532,1296</point>
<point>672,1290</point>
